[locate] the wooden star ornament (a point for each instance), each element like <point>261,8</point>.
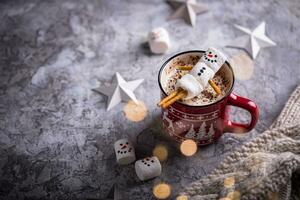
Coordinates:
<point>187,9</point>
<point>119,90</point>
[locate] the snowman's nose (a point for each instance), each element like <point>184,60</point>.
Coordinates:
<point>123,147</point>
<point>210,55</point>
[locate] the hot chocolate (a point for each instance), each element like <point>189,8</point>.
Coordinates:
<point>207,96</point>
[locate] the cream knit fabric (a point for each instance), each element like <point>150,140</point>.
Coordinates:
<point>267,167</point>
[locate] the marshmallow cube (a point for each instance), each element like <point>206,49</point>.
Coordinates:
<point>124,150</point>
<point>190,84</point>
<point>148,168</point>
<point>158,40</point>
<point>213,58</point>
<point>202,73</point>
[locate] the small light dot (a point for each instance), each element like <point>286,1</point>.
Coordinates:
<point>182,197</point>
<point>161,191</point>
<point>229,182</point>
<point>188,147</point>
<point>235,195</point>
<point>135,112</point>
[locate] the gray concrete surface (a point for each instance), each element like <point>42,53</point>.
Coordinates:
<point>56,137</point>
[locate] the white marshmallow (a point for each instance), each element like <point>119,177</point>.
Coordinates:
<point>213,58</point>
<point>158,40</point>
<point>190,84</point>
<point>202,73</point>
<point>148,168</point>
<point>124,150</point>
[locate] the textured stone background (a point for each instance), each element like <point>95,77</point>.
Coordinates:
<point>56,137</point>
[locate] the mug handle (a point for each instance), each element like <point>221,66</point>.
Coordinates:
<point>250,106</point>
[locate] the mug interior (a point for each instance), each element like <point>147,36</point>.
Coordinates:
<point>169,68</point>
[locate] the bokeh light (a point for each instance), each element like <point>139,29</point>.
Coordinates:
<point>161,152</point>
<point>242,59</point>
<point>188,147</point>
<point>229,182</point>
<point>162,191</point>
<point>135,112</point>
<point>235,195</point>
<point>182,197</point>
<point>273,196</point>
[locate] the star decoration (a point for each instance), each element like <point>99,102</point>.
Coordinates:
<point>119,90</point>
<point>253,41</point>
<point>187,9</point>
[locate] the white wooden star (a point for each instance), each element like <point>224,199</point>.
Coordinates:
<point>119,90</point>
<point>187,9</point>
<point>253,41</point>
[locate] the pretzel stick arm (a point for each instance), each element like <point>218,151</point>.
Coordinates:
<point>184,67</point>
<point>180,95</point>
<point>215,87</point>
<point>170,96</point>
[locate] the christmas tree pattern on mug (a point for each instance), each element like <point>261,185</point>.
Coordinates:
<point>124,150</point>
<point>202,134</point>
<point>148,168</point>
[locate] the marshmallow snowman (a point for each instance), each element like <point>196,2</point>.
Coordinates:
<point>124,150</point>
<point>148,168</point>
<point>158,40</point>
<point>197,79</point>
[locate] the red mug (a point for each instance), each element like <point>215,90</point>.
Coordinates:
<point>206,123</point>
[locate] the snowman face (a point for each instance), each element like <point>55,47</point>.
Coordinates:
<point>124,151</point>
<point>210,56</point>
<point>213,58</point>
<point>123,147</point>
<point>147,168</point>
<point>148,161</point>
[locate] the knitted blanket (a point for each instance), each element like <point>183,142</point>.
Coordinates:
<point>267,167</point>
